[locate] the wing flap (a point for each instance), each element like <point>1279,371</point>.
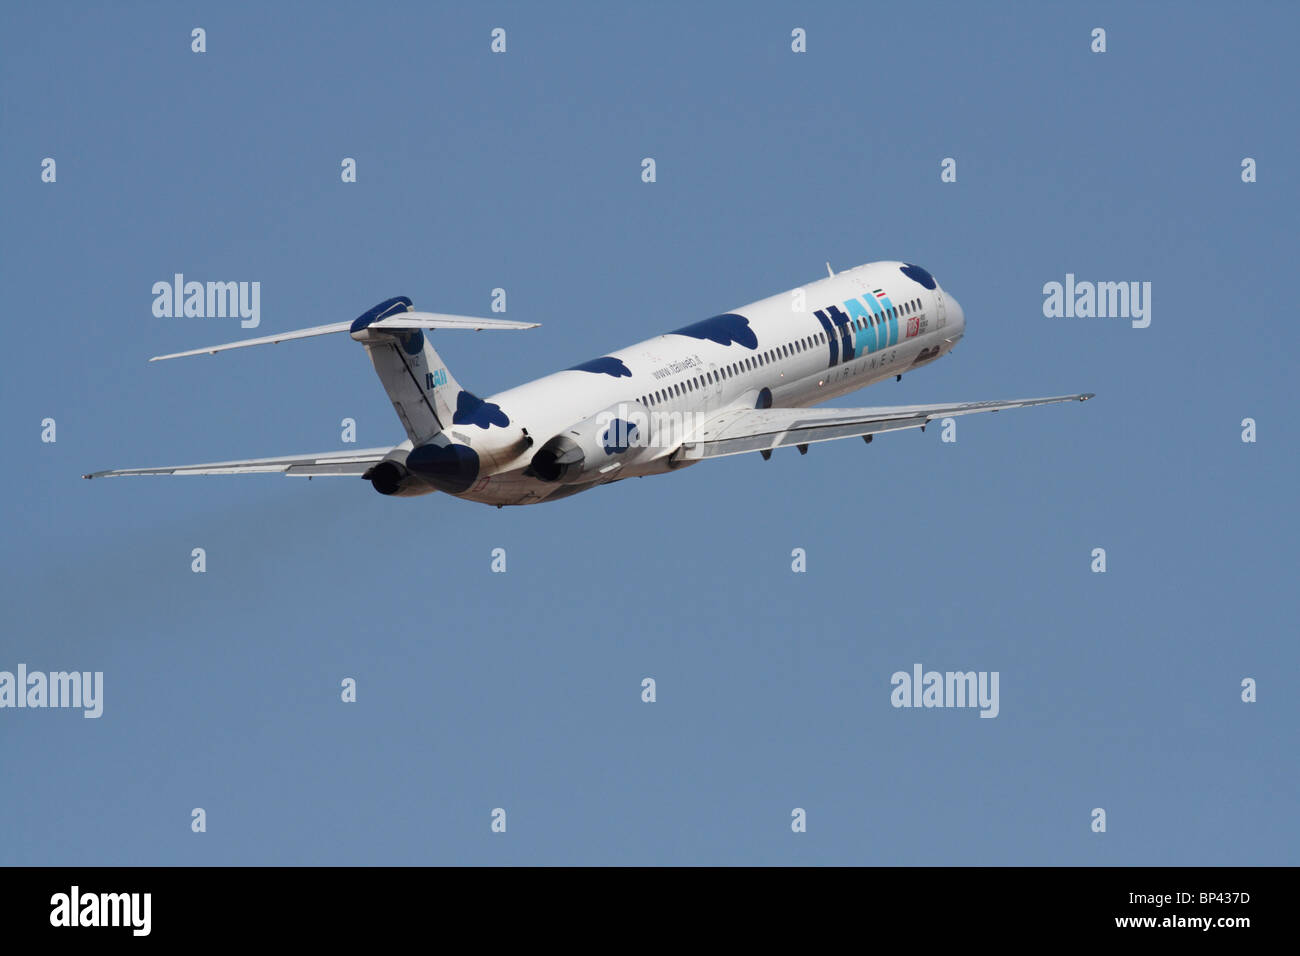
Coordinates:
<point>743,430</point>
<point>350,463</point>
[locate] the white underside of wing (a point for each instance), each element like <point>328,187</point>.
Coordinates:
<point>350,463</point>
<point>743,430</point>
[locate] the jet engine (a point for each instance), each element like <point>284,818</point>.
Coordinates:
<point>596,446</point>
<point>392,477</point>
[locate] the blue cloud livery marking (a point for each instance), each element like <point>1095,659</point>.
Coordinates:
<point>383,310</point>
<point>414,342</point>
<point>619,436</point>
<point>723,329</point>
<point>471,410</point>
<point>605,365</point>
<point>917,274</point>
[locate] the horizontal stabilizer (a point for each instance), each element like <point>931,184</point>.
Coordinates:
<point>326,463</point>
<point>438,320</point>
<point>397,323</point>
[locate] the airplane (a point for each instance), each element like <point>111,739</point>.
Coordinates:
<point>736,383</point>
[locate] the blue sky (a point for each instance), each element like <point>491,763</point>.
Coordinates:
<point>522,690</point>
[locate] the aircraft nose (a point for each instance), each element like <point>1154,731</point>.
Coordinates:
<point>956,315</point>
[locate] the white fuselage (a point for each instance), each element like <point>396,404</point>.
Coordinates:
<point>794,349</point>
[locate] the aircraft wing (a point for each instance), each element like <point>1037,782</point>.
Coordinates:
<point>741,430</point>
<point>327,463</point>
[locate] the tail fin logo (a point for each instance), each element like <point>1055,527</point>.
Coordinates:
<point>433,379</point>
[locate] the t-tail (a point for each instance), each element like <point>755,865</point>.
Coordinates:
<point>425,395</point>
